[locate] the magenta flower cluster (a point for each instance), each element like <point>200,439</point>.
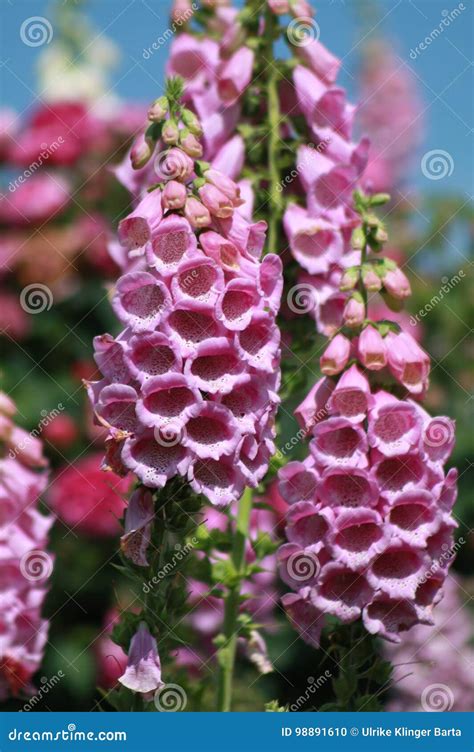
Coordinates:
<point>190,385</point>
<point>25,564</point>
<point>370,529</point>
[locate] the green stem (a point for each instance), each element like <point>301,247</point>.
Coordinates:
<point>274,117</point>
<point>362,287</point>
<point>228,649</point>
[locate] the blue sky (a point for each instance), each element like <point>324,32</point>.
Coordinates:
<point>444,70</point>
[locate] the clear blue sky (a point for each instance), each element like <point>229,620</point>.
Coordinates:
<point>444,70</point>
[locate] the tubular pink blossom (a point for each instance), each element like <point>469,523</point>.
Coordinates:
<point>235,75</point>
<point>336,355</point>
<point>371,349</point>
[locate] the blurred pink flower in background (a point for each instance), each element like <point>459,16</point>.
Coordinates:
<point>391,114</point>
<point>87,499</point>
<point>25,566</point>
<point>434,666</point>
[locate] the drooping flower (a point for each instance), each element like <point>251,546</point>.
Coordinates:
<point>143,671</point>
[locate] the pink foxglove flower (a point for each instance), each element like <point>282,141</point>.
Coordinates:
<point>369,528</point>
<point>143,672</point>
<point>190,385</point>
<point>26,565</point>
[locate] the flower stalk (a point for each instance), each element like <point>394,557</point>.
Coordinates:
<point>227,650</point>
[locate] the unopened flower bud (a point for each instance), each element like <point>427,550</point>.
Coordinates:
<point>336,355</point>
<point>370,278</point>
<point>349,279</point>
<point>380,234</point>
<point>371,349</point>
<point>174,195</point>
<point>217,202</point>
<point>141,152</point>
<point>191,122</point>
<point>196,213</point>
<point>372,220</point>
<point>158,110</point>
<point>190,144</point>
<point>378,199</point>
<point>224,184</point>
<point>170,133</point>
<point>396,283</point>
<point>354,311</point>
<point>358,239</point>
